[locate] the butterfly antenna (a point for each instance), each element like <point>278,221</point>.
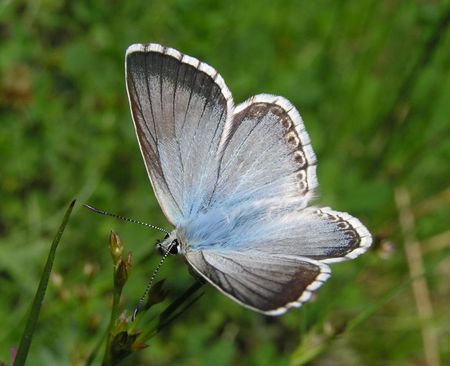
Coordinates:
<point>124,218</point>
<point>138,307</point>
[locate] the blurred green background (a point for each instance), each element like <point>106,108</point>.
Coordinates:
<point>371,80</point>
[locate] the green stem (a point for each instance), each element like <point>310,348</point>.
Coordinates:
<point>117,292</point>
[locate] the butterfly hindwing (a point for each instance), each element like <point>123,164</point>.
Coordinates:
<point>270,284</point>
<point>316,233</point>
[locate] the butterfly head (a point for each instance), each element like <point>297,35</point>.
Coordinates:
<point>170,245</point>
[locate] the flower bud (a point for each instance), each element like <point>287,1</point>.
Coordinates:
<point>115,247</point>
<point>122,271</point>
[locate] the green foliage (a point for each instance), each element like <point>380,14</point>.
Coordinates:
<point>371,81</point>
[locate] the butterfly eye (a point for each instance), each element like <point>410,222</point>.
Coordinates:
<point>174,247</point>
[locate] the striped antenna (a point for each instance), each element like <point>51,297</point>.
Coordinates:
<point>96,210</point>
<point>138,307</point>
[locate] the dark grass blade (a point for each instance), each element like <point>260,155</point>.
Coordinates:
<point>167,321</point>
<point>27,335</point>
<point>172,311</point>
<point>166,314</point>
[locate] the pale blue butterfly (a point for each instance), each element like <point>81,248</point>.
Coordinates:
<point>235,181</point>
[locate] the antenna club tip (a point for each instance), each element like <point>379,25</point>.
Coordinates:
<point>136,312</point>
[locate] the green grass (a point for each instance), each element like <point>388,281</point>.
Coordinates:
<point>371,80</point>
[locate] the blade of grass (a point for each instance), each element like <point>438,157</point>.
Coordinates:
<point>168,315</point>
<point>179,301</point>
<point>168,321</point>
<point>156,325</point>
<point>27,335</point>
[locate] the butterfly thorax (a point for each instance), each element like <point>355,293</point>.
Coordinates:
<point>171,244</point>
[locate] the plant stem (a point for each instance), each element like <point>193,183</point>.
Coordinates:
<point>117,292</point>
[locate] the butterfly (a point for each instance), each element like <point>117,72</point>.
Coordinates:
<point>236,182</point>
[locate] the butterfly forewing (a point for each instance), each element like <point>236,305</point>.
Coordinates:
<point>266,147</point>
<point>179,108</point>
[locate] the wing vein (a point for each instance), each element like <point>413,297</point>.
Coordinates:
<point>150,100</point>
<point>137,99</point>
